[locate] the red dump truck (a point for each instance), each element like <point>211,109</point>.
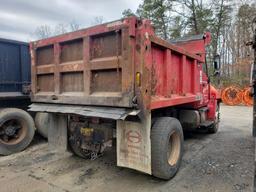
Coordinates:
<point>119,80</point>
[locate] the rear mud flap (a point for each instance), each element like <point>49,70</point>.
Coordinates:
<point>57,133</point>
<point>134,145</point>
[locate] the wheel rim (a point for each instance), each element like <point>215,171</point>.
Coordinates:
<point>12,131</point>
<point>173,153</point>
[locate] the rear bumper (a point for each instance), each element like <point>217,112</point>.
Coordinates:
<point>89,111</point>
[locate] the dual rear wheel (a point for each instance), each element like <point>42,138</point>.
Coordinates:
<point>166,147</point>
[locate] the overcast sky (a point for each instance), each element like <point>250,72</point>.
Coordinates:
<point>19,18</point>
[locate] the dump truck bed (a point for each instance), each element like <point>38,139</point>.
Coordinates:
<point>92,66</point>
<point>14,69</point>
<point>120,64</point>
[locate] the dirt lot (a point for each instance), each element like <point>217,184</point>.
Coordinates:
<point>219,162</point>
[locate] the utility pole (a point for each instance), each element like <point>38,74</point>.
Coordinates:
<point>253,75</point>
<point>254,96</point>
<point>254,80</point>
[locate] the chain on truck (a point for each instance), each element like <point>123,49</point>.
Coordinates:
<point>119,81</point>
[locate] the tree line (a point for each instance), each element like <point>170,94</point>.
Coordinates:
<point>230,24</point>
<point>228,21</point>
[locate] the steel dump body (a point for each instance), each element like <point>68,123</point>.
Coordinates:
<point>14,74</point>
<point>14,68</point>
<point>118,64</point>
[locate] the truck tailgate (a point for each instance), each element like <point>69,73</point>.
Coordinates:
<point>93,66</point>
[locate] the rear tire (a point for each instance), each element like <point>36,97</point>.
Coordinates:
<point>42,123</point>
<point>17,130</point>
<point>213,128</point>
<point>166,147</point>
<point>77,150</point>
<point>75,141</point>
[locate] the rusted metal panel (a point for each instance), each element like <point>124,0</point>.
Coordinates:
<point>106,81</point>
<point>175,77</point>
<point>86,64</point>
<point>107,45</point>
<point>178,49</point>
<point>45,55</point>
<point>72,51</point>
<point>195,44</point>
<point>97,66</point>
<point>68,80</point>
<point>103,112</point>
<point>45,83</point>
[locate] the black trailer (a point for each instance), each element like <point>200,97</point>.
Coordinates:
<point>16,125</point>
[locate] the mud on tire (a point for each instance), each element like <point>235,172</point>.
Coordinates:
<point>166,147</point>
<point>17,130</point>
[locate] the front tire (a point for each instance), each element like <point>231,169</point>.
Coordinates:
<point>166,147</point>
<point>215,126</point>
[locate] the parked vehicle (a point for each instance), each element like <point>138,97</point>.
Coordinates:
<point>16,125</point>
<point>120,80</point>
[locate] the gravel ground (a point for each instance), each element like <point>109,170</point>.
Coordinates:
<point>218,162</point>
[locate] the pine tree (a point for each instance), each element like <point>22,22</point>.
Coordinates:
<point>128,13</point>
<point>157,12</point>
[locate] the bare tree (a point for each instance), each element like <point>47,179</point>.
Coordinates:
<point>97,20</point>
<point>74,26</point>
<point>229,22</point>
<point>43,31</point>
<point>61,28</point>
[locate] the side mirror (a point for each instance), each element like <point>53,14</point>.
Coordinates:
<point>216,63</point>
